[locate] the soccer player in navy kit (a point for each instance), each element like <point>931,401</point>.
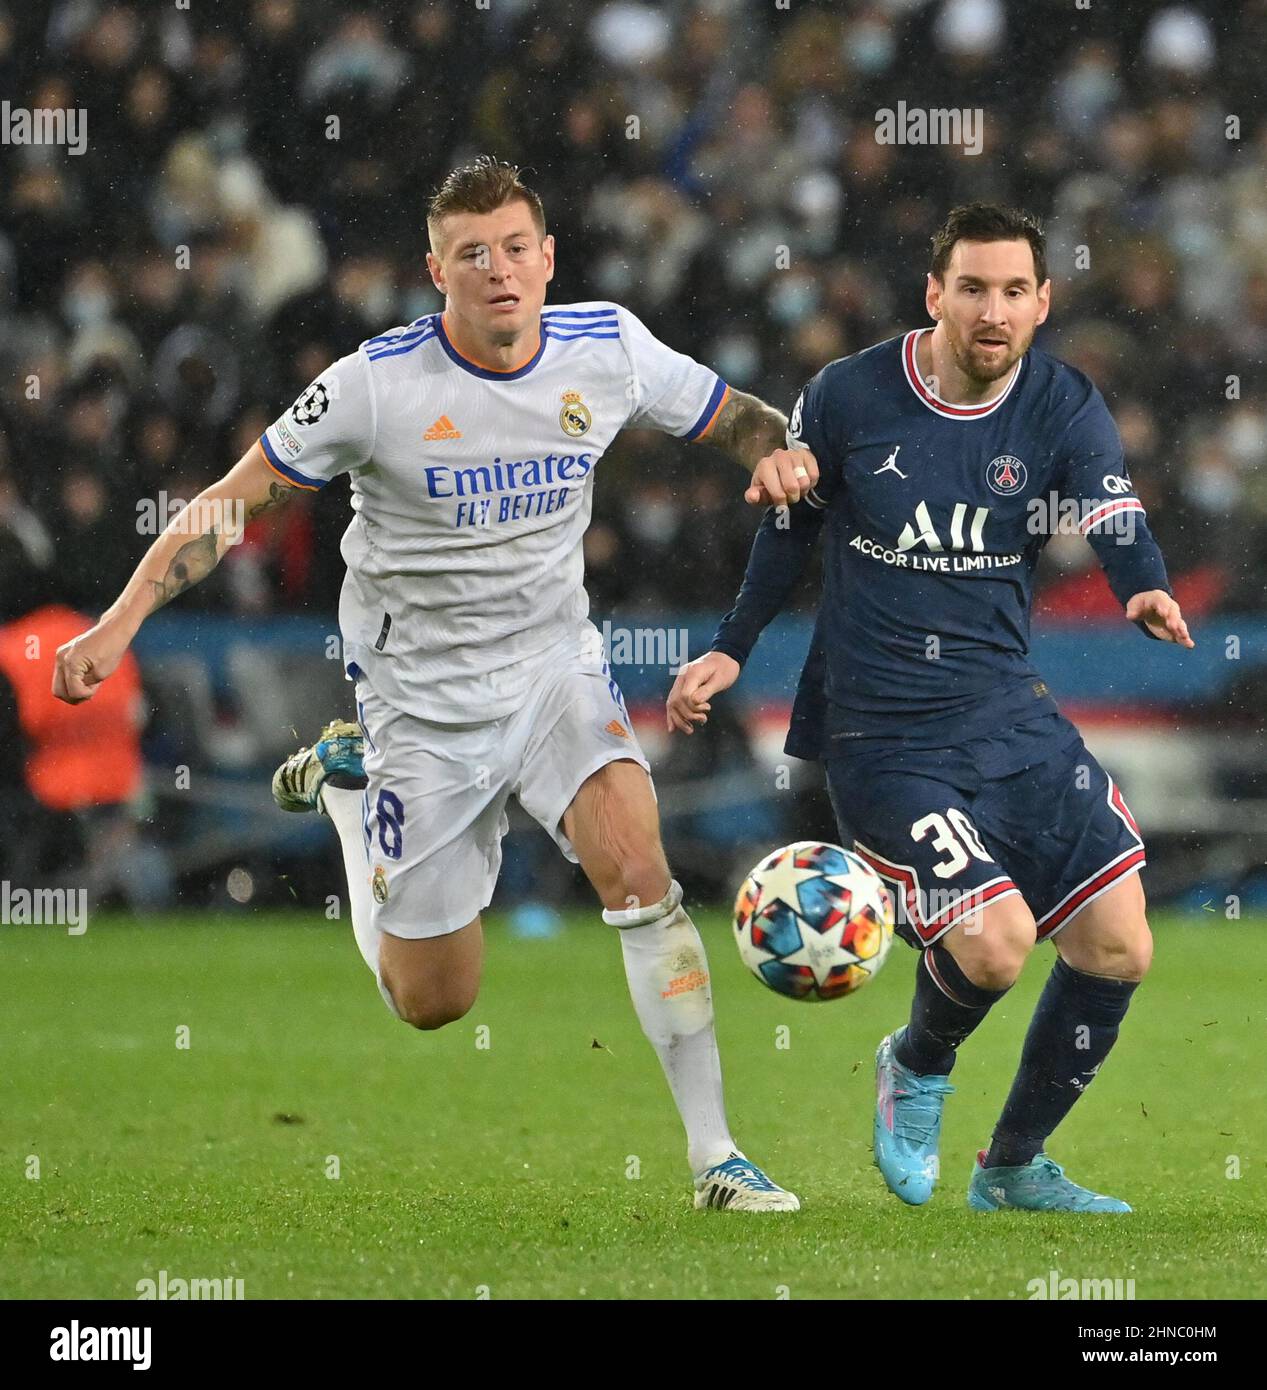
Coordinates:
<point>946,458</point>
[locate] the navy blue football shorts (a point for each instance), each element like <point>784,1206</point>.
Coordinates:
<point>1026,810</point>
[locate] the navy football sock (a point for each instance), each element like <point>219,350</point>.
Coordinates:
<point>946,1008</point>
<point>1073,1028</point>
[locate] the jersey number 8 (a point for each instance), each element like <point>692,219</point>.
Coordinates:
<point>391,823</point>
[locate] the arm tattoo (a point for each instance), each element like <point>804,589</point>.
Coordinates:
<point>747,429</point>
<point>192,562</point>
<point>278,495</point>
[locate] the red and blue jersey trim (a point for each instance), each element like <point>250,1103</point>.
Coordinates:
<point>935,402</point>
<point>1107,509</point>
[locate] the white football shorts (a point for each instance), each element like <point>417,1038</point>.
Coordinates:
<point>435,808</point>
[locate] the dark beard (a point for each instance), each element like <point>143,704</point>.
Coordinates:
<point>985,378</point>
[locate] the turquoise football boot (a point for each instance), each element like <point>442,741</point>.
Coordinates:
<point>1039,1185</point>
<point>907,1125</point>
<point>335,757</point>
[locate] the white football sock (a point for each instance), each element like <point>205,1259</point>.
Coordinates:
<point>667,972</point>
<point>345,808</point>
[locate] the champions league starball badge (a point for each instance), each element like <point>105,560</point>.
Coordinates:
<point>312,405</point>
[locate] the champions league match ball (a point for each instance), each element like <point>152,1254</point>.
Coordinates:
<point>813,921</point>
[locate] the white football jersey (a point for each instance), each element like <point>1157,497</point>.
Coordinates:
<point>472,489</point>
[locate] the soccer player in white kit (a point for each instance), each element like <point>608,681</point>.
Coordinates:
<point>472,439</point>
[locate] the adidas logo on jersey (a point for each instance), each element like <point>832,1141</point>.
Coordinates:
<point>443,428</point>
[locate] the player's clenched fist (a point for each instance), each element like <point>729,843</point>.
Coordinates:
<point>697,682</point>
<point>786,475</point>
<point>85,661</point>
<point>1160,614</point>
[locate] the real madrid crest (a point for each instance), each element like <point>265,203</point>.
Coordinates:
<point>379,885</point>
<point>575,416</point>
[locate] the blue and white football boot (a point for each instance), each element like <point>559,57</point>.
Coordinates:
<point>737,1184</point>
<point>907,1125</point>
<point>1039,1185</point>
<point>334,758</point>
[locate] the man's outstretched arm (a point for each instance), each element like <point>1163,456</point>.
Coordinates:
<point>674,393</point>
<point>1159,614</point>
<point>780,549</point>
<point>1133,565</point>
<point>187,551</point>
<point>780,553</point>
<point>754,435</point>
<point>1111,517</point>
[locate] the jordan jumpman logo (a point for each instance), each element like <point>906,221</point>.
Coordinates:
<point>891,462</point>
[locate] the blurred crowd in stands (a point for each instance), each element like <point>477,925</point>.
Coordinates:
<point>251,206</point>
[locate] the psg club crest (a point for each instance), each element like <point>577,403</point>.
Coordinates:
<point>575,416</point>
<point>1006,475</point>
<point>311,406</point>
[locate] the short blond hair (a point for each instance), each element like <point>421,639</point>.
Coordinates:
<point>482,186</point>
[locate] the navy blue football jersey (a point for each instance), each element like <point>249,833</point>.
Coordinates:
<point>935,515</point>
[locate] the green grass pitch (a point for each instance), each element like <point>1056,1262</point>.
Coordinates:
<point>549,1163</point>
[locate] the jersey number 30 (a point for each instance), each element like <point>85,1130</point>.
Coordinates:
<point>946,841</point>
